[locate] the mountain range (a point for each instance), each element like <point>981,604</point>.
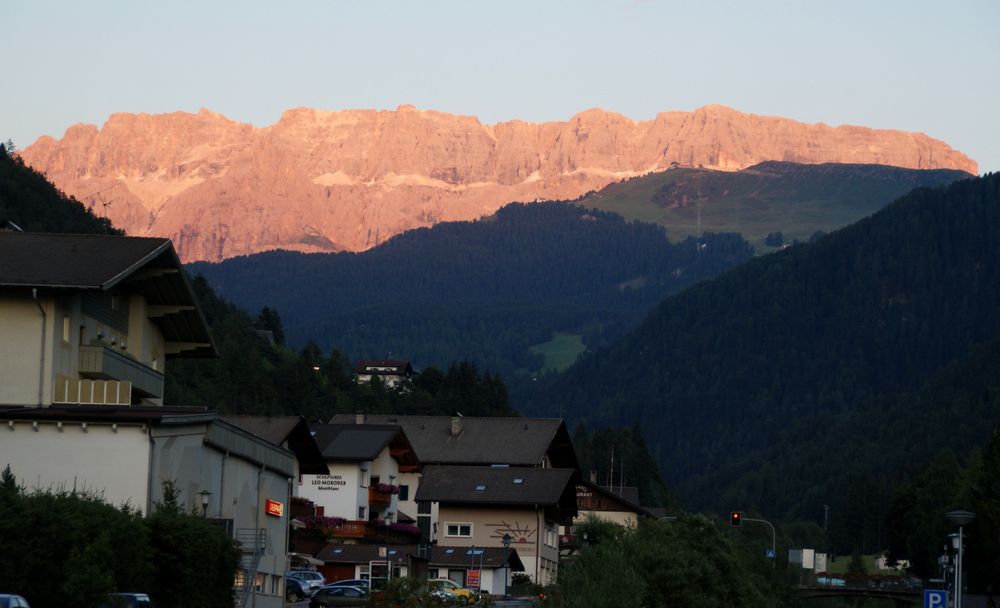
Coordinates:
<point>325,181</point>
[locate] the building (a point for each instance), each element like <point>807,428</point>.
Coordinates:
<point>472,441</point>
<point>390,372</point>
<point>87,324</point>
<point>485,568</point>
<point>90,319</point>
<point>620,506</point>
<point>494,506</point>
<point>364,466</point>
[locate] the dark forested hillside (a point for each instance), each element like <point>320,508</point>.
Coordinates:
<point>726,366</point>
<point>769,199</point>
<point>28,200</point>
<point>484,290</point>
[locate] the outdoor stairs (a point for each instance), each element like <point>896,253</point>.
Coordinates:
<point>252,544</point>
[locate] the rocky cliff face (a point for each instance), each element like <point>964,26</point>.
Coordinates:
<point>349,180</point>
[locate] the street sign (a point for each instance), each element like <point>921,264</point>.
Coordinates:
<point>770,554</point>
<point>935,598</point>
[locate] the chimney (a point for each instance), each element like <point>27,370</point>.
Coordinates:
<point>360,418</point>
<point>593,476</point>
<point>456,426</point>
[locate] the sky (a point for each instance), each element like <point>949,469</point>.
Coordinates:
<point>913,65</point>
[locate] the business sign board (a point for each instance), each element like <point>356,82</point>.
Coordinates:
<point>273,507</point>
<point>472,579</point>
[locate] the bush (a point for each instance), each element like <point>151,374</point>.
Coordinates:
<point>64,548</point>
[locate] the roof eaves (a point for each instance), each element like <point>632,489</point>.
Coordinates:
<point>139,264</point>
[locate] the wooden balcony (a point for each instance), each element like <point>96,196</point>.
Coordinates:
<point>370,531</point>
<point>351,529</point>
<point>378,500</point>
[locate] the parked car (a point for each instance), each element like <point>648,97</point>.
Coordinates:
<point>127,600</point>
<point>360,583</point>
<point>9,600</point>
<point>339,596</point>
<point>465,596</point>
<point>445,597</point>
<point>296,590</point>
<point>310,578</point>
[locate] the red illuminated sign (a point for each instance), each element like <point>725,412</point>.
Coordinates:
<point>273,507</point>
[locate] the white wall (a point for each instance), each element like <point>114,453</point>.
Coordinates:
<point>20,350</point>
<point>97,459</point>
<point>339,493</point>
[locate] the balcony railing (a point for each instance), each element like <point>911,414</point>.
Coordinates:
<point>103,363</point>
<point>374,531</point>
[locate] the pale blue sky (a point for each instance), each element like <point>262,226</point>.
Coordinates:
<point>908,64</point>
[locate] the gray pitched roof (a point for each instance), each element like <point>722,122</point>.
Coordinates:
<point>77,261</point>
<point>497,485</point>
<point>89,262</point>
<point>358,443</point>
<point>279,430</point>
<point>464,557</point>
<point>362,554</point>
<point>482,440</point>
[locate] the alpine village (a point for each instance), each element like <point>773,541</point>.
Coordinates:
<point>543,404</point>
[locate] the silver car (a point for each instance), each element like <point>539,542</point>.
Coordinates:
<point>310,579</point>
<point>9,600</point>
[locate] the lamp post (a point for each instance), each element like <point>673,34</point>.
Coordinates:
<point>506,577</point>
<point>960,519</point>
<point>205,494</point>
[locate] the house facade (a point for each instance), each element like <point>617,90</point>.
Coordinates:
<point>390,371</point>
<point>494,506</point>
<point>364,465</point>
<point>87,324</point>
<point>92,319</point>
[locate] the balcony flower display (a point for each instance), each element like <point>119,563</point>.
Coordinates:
<point>386,488</point>
<point>323,526</point>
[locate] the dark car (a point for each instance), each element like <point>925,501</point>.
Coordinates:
<point>296,590</point>
<point>339,596</point>
<point>127,600</point>
<point>360,583</point>
<point>9,600</point>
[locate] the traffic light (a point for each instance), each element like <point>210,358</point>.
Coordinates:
<point>736,519</point>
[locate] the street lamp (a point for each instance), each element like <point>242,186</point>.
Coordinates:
<point>506,577</point>
<point>960,519</point>
<point>204,501</point>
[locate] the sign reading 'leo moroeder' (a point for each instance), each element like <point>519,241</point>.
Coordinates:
<point>328,482</point>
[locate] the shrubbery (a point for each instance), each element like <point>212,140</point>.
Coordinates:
<point>71,548</point>
<point>686,563</point>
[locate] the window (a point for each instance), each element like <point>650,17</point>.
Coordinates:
<point>364,478</point>
<point>518,481</point>
<point>364,572</point>
<point>460,530</point>
<point>481,487</point>
<point>404,492</point>
<point>66,330</point>
<point>361,512</point>
<point>374,480</point>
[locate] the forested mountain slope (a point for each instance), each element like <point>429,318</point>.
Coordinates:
<point>722,368</point>
<point>32,203</point>
<point>772,197</point>
<point>484,291</point>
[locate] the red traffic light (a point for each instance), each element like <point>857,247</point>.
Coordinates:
<point>736,519</point>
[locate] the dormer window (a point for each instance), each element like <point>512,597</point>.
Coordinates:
<point>481,487</point>
<point>518,481</point>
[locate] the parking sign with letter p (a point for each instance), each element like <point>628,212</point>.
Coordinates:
<point>935,598</point>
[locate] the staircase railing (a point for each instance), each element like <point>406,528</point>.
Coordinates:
<point>252,542</point>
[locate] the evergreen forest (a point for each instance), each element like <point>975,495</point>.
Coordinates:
<point>486,291</point>
<point>818,374</point>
